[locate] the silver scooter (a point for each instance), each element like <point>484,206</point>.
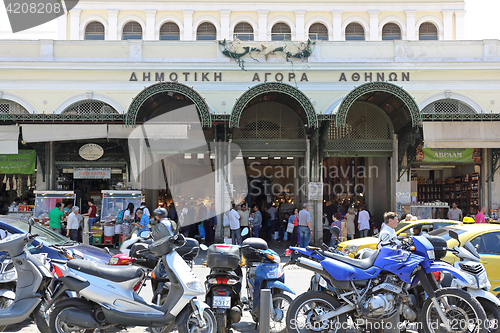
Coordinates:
<point>33,278</point>
<point>108,300</point>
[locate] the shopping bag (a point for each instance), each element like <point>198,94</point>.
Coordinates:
<point>201,229</point>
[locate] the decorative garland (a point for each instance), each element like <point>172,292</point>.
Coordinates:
<point>229,50</point>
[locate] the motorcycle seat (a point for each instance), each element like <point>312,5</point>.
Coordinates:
<point>359,263</point>
<point>111,273</point>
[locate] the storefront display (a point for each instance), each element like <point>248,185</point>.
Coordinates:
<point>47,200</point>
<point>115,201</point>
<point>17,180</point>
<point>436,210</point>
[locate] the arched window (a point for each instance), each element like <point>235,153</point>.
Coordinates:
<point>89,107</point>
<point>10,107</point>
<point>428,31</point>
<point>243,31</point>
<point>169,31</point>
<point>132,30</point>
<point>391,31</point>
<point>94,31</point>
<point>354,31</point>
<point>206,31</point>
<point>318,31</point>
<point>281,31</point>
<point>448,106</point>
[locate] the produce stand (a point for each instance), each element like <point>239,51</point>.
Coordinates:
<point>107,231</point>
<point>45,201</point>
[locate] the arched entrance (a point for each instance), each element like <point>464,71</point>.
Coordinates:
<point>377,129</point>
<point>270,123</point>
<point>170,145</point>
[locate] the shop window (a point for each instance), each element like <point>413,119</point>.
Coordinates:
<point>132,30</point>
<point>10,107</point>
<point>89,107</point>
<point>94,31</point>
<point>354,31</point>
<point>448,106</point>
<point>318,31</point>
<point>206,31</point>
<point>243,31</point>
<point>170,31</point>
<point>281,31</point>
<point>427,31</point>
<point>391,31</point>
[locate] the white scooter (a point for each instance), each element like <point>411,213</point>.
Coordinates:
<point>107,296</point>
<point>471,264</point>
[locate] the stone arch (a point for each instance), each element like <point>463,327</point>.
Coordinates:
<point>244,19</point>
<point>130,18</point>
<point>396,20</point>
<point>96,97</point>
<point>453,96</point>
<point>281,19</point>
<point>19,100</point>
<point>93,18</point>
<point>322,20</point>
<point>403,111</point>
<point>166,19</point>
<point>169,87</point>
<point>359,20</point>
<point>203,19</point>
<point>435,21</point>
<point>274,87</point>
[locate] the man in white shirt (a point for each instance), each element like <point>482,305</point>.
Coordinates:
<point>73,224</point>
<point>244,214</point>
<point>363,222</point>
<point>388,233</point>
<point>234,225</point>
<point>145,209</point>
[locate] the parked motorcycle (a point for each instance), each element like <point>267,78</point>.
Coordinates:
<point>107,296</point>
<point>264,271</point>
<point>375,289</point>
<point>470,263</point>
<point>33,279</point>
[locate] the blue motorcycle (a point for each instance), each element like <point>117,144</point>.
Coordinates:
<point>265,272</point>
<point>374,291</point>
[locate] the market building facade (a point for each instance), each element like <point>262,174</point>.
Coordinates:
<point>357,100</point>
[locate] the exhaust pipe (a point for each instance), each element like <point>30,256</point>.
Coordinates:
<point>79,318</point>
<point>307,263</point>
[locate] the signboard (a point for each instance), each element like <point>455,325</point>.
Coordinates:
<point>92,173</point>
<point>315,191</point>
<point>441,155</point>
<point>21,164</point>
<point>91,152</point>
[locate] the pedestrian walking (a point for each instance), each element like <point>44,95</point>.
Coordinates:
<point>351,228</point>
<point>234,225</point>
<point>73,224</point>
<point>294,218</point>
<point>305,227</point>
<point>363,222</point>
<point>92,213</point>
<point>244,216</point>
<point>56,216</point>
<point>455,213</point>
<point>480,216</point>
<point>257,221</point>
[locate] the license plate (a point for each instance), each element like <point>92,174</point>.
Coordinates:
<point>221,302</point>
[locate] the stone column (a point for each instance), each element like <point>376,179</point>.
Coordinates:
<point>411,33</point>
<point>337,32</point>
<point>262,34</point>
<point>150,24</point>
<point>448,24</point>
<point>188,24</point>
<point>224,25</point>
<point>459,25</point>
<point>75,24</point>
<point>112,24</point>
<point>62,27</point>
<point>300,33</point>
<point>374,35</point>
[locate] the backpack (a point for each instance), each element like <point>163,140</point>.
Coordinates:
<point>119,218</point>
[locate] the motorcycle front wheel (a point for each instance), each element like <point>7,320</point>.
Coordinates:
<point>463,312</point>
<point>304,311</point>
<point>5,303</point>
<point>492,313</point>
<point>188,323</point>
<point>281,305</point>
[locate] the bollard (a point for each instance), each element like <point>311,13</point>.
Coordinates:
<point>85,231</point>
<point>265,311</point>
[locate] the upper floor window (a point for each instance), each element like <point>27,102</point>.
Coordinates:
<point>354,31</point>
<point>89,107</point>
<point>94,31</point>
<point>391,31</point>
<point>318,31</point>
<point>243,31</point>
<point>132,30</point>
<point>10,107</point>
<point>448,106</point>
<point>427,31</point>
<point>281,31</point>
<point>206,31</point>
<point>169,31</point>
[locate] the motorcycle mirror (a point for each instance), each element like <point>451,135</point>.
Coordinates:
<point>31,222</point>
<point>404,235</point>
<point>203,247</point>
<point>144,234</point>
<point>244,232</point>
<point>454,235</point>
<point>336,231</point>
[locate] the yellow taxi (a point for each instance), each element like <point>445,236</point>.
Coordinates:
<point>485,237</point>
<point>404,228</point>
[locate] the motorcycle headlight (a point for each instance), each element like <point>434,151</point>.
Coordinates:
<point>431,255</point>
<point>8,276</point>
<point>195,286</point>
<point>351,249</point>
<point>113,261</point>
<point>483,281</point>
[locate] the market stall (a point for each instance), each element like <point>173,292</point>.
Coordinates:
<point>47,200</point>
<point>110,229</point>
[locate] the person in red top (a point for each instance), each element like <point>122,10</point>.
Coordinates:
<point>295,234</point>
<point>91,213</point>
<point>480,215</point>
